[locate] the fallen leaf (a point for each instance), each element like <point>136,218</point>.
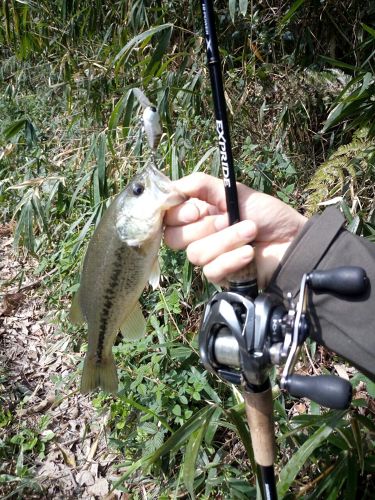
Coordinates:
<point>68,455</point>
<point>341,370</point>
<point>84,477</point>
<point>93,449</point>
<point>100,488</point>
<point>11,302</point>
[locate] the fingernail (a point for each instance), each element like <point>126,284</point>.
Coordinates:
<point>246,252</point>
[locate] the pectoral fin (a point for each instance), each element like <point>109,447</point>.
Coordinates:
<point>155,274</point>
<point>134,326</point>
<point>75,313</point>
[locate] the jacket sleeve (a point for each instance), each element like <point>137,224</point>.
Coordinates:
<point>345,325</point>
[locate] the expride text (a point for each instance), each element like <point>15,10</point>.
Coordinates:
<point>223,152</point>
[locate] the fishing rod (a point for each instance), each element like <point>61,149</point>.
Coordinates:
<point>246,281</point>
<point>243,334</point>
<point>243,286</point>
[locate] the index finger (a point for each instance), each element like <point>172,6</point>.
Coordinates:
<point>204,187</point>
<point>188,212</point>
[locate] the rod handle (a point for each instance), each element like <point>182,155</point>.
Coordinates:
<point>259,412</point>
<point>244,281</point>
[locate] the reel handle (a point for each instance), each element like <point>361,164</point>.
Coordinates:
<point>327,390</point>
<point>346,280</point>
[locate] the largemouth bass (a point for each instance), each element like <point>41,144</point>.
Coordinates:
<point>121,257</point>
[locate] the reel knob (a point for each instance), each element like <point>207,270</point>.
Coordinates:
<point>327,390</point>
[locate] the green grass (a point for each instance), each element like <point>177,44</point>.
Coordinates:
<point>71,139</point>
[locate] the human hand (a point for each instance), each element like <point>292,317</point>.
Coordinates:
<point>201,226</point>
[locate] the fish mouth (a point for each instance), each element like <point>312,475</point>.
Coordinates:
<point>164,185</point>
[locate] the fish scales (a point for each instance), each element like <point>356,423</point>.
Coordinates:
<point>120,259</point>
<point>116,293</point>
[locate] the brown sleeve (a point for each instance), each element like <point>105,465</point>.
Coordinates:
<point>344,325</point>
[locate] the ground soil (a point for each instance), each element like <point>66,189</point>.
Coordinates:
<point>39,395</point>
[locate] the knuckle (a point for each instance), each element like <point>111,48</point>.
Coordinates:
<point>199,176</point>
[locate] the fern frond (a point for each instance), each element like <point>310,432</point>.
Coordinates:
<point>340,174</point>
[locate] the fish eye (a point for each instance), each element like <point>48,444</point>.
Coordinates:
<point>153,109</point>
<point>138,188</point>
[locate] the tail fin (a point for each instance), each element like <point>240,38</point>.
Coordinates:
<point>101,374</point>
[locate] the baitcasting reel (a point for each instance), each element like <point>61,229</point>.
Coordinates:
<point>240,339</point>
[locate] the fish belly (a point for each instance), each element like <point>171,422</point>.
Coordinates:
<point>114,276</point>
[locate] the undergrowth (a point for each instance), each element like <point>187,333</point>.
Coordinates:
<point>71,139</point>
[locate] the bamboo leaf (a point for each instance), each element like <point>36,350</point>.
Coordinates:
<point>293,9</point>
<point>47,208</point>
<point>122,56</point>
<point>206,155</point>
<point>101,165</point>
<point>338,64</point>
<point>354,225</point>
<point>291,469</point>
<point>243,4</point>
<point>244,434</point>
<point>125,103</point>
<point>187,275</point>
<point>30,134</point>
<point>352,478</point>
<point>96,213</point>
<point>216,163</point>
<point>173,443</point>
<point>358,441</point>
<point>127,115</point>
<point>213,425</point>
<point>96,188</point>
<point>175,170</point>
<point>232,9</point>
<point>181,435</point>
<point>368,29</point>
<point>24,228</point>
<point>147,410</point>
<point>80,185</point>
<point>39,212</point>
<point>330,486</point>
<point>158,53</point>
<point>190,458</point>
<point>14,128</point>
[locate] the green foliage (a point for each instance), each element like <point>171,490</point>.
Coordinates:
<point>355,104</point>
<point>23,444</point>
<point>71,139</point>
<point>349,167</point>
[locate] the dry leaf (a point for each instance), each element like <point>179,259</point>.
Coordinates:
<point>100,488</point>
<point>68,455</point>
<point>85,478</point>
<point>11,302</point>
<point>93,449</point>
<point>341,370</point>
